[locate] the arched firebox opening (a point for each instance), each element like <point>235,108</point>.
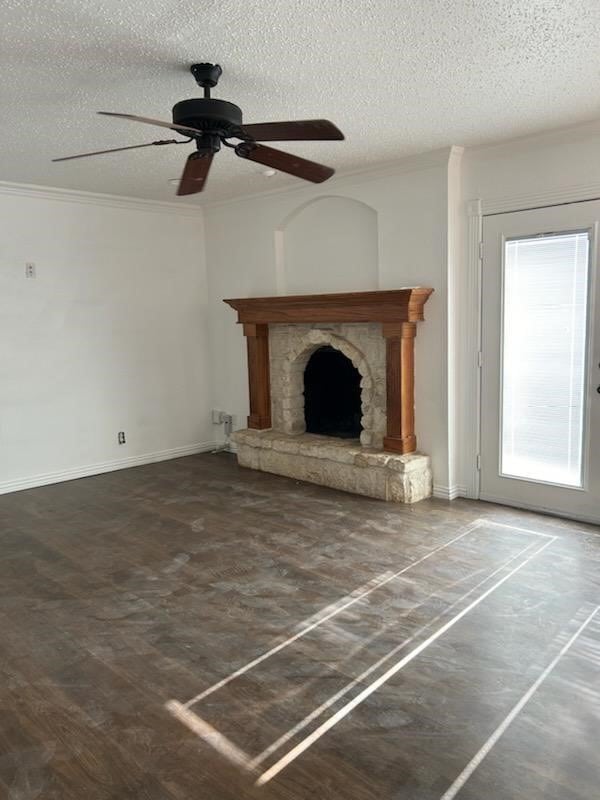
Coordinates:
<point>332,395</point>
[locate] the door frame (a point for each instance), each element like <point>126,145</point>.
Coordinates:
<point>477,209</point>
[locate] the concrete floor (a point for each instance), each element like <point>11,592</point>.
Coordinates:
<point>191,629</point>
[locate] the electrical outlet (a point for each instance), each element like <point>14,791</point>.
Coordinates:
<point>223,418</point>
<point>121,437</point>
<point>227,421</point>
<point>30,269</point>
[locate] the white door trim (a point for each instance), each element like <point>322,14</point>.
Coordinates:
<point>579,193</point>
<point>471,382</point>
<point>477,209</point>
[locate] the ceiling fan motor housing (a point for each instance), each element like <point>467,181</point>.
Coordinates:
<point>208,115</point>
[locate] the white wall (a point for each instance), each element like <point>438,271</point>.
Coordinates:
<point>111,335</point>
<point>244,253</point>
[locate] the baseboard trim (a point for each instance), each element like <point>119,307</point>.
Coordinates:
<point>448,492</point>
<point>74,473</point>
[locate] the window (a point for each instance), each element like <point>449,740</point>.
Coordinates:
<point>544,357</point>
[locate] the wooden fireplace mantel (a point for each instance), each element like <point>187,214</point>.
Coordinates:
<point>398,310</point>
<point>396,305</point>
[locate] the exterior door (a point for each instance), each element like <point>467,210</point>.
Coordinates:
<point>540,380</point>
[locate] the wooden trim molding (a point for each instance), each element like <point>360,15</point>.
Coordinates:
<point>259,377</point>
<point>398,310</point>
<point>400,386</point>
<point>397,305</point>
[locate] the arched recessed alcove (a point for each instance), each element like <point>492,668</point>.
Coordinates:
<point>329,244</point>
<point>332,394</point>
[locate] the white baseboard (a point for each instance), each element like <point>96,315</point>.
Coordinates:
<point>106,466</point>
<point>449,492</point>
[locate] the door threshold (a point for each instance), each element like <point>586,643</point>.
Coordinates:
<point>503,501</point>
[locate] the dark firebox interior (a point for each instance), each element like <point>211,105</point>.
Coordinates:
<point>332,395</point>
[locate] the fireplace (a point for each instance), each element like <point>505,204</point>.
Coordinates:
<point>332,394</point>
<point>331,385</point>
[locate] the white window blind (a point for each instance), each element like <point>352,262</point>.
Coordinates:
<point>544,357</point>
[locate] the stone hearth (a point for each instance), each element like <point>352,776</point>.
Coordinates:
<point>337,463</point>
<point>375,331</point>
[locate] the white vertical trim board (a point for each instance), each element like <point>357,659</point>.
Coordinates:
<point>471,382</point>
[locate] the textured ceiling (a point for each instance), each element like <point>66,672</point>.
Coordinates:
<point>397,77</point>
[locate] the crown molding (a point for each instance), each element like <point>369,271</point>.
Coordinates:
<point>564,133</point>
<point>97,199</point>
<point>341,180</point>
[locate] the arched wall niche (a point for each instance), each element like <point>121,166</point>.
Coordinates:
<point>328,244</point>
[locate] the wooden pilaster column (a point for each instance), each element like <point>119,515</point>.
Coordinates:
<point>400,382</point>
<point>259,379</point>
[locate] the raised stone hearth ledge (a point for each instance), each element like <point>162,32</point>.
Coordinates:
<point>337,463</point>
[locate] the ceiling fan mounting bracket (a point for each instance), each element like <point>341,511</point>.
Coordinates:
<point>206,75</point>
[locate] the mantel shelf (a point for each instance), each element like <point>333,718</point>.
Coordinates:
<point>396,305</point>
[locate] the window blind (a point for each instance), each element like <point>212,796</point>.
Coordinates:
<point>544,357</point>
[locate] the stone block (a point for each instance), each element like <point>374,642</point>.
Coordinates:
<point>338,463</point>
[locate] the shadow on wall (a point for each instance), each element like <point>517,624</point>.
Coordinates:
<point>329,244</point>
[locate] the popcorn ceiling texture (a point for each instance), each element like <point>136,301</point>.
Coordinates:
<point>398,78</point>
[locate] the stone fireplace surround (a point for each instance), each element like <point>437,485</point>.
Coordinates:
<point>375,331</point>
<point>291,346</point>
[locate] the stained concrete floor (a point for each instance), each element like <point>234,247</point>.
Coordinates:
<point>191,629</point>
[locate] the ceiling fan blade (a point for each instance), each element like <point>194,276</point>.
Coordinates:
<point>298,130</point>
<point>195,173</point>
<point>148,121</point>
<point>284,162</point>
<point>117,149</point>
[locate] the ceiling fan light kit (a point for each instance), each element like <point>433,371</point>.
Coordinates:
<point>211,122</point>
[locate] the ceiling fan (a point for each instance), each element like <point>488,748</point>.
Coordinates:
<point>209,123</point>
